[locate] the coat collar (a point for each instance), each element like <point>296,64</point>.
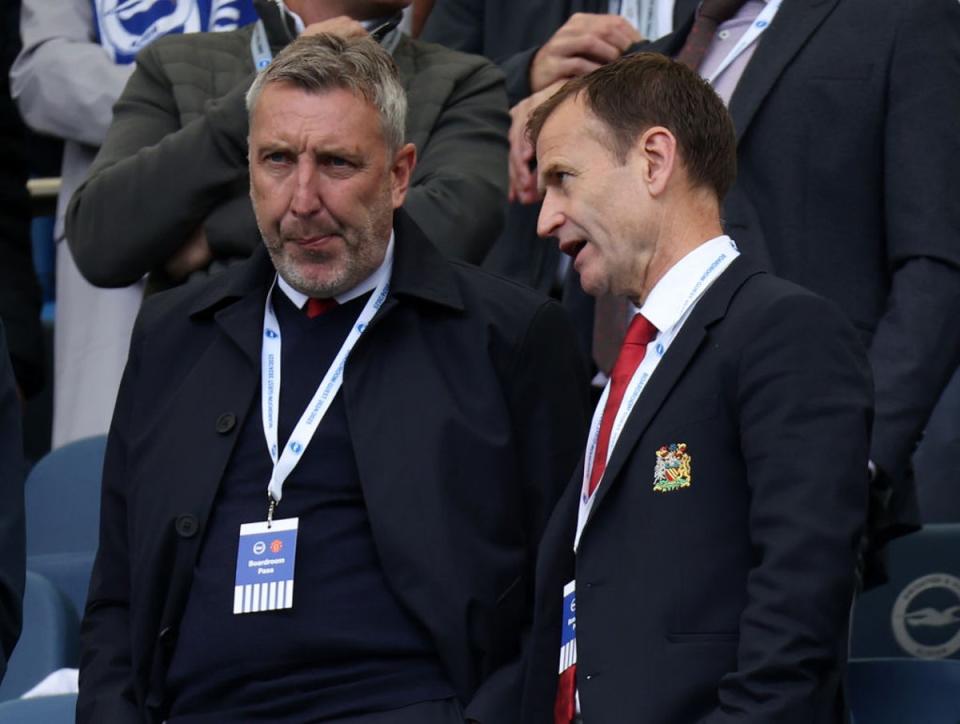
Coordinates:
<point>711,308</point>
<point>236,297</point>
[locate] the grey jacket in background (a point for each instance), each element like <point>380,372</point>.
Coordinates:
<point>65,85</point>
<point>176,156</point>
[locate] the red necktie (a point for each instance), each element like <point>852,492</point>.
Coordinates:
<point>639,334</point>
<point>634,348</point>
<point>316,307</point>
<point>709,17</point>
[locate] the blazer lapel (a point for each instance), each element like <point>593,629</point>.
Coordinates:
<point>664,378</point>
<point>794,23</point>
<point>711,307</point>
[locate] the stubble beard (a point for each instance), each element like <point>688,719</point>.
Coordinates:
<point>325,274</point>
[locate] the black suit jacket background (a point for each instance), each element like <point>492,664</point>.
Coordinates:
<point>847,184</point>
<point>12,529</point>
<point>510,33</point>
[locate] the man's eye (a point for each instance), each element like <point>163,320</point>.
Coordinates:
<point>337,162</point>
<point>276,157</point>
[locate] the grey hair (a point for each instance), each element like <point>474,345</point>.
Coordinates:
<point>321,62</point>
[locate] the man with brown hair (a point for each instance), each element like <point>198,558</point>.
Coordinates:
<point>700,566</point>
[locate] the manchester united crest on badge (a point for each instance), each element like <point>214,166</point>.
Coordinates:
<point>672,471</point>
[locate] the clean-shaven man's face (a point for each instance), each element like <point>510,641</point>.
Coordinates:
<point>594,205</point>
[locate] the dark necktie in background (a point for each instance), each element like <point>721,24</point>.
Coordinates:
<point>709,17</point>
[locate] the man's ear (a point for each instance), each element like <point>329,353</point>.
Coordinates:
<point>658,149</point>
<point>403,162</point>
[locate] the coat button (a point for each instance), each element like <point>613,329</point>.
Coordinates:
<point>226,422</point>
<point>167,634</point>
<point>186,526</point>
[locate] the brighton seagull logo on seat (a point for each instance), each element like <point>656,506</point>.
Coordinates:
<point>926,616</point>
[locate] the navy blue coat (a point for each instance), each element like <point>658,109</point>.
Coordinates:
<point>464,403</point>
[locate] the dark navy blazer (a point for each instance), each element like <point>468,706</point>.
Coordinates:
<point>725,601</point>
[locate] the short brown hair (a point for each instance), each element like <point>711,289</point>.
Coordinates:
<point>648,89</point>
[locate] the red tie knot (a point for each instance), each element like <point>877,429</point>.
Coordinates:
<point>316,307</point>
<point>640,331</point>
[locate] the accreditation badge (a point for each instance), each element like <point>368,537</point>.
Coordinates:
<point>568,629</point>
<point>266,556</point>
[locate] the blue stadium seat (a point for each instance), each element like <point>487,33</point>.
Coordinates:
<point>49,640</point>
<point>904,691</point>
<point>917,613</point>
<point>63,516</point>
<point>42,710</point>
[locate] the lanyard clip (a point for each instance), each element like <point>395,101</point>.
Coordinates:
<point>270,508</point>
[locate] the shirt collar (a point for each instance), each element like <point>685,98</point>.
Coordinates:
<point>686,281</point>
<point>367,285</point>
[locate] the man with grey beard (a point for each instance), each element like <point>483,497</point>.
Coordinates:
<point>330,465</point>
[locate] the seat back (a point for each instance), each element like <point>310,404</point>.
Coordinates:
<point>917,613</point>
<point>62,499</point>
<point>49,639</point>
<point>42,710</point>
<point>902,691</point>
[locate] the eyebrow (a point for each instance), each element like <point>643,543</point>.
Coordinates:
<point>551,171</point>
<point>274,145</point>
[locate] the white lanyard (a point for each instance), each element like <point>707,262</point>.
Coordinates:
<point>260,47</point>
<point>322,399</point>
<point>629,10</point>
<point>655,350</point>
<point>756,29</point>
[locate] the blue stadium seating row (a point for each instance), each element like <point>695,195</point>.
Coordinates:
<point>904,644</point>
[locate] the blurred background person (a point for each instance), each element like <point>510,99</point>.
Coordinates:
<point>20,295</point>
<point>12,533</point>
<point>538,44</point>
<point>76,58</point>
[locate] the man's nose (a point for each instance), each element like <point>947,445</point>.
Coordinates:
<point>551,215</point>
<point>306,194</point>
